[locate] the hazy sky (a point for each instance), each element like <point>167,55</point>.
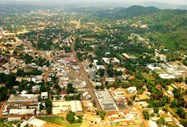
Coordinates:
<point>179,2</point>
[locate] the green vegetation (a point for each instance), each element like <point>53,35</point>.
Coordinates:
<point>101,114</point>
<point>2,124</point>
<point>146,115</point>
<point>48,105</point>
<point>71,118</point>
<point>59,121</point>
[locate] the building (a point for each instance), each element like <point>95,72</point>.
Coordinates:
<point>44,95</point>
<point>92,73</point>
<point>61,106</point>
<point>105,100</point>
<point>23,98</point>
<point>118,94</point>
<point>34,122</point>
<point>110,80</point>
<point>132,89</point>
<point>76,106</point>
<point>14,119</point>
<point>22,111</point>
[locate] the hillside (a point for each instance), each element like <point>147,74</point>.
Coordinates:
<point>167,28</point>
<point>135,11</point>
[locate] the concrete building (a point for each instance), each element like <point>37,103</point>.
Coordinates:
<point>92,73</point>
<point>76,106</point>
<point>34,122</point>
<point>23,98</point>
<point>21,111</point>
<point>44,95</point>
<point>105,100</point>
<point>132,89</point>
<point>61,106</point>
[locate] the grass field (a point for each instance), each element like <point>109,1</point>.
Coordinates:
<point>59,121</point>
<point>2,123</point>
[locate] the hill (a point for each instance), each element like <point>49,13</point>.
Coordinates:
<point>135,11</point>
<point>167,27</point>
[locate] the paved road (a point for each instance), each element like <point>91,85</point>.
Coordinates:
<point>83,73</point>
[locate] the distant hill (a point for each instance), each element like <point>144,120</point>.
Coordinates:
<point>165,5</point>
<point>167,27</point>
<point>130,12</point>
<point>135,11</point>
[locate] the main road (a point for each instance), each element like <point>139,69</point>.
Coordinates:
<point>83,73</point>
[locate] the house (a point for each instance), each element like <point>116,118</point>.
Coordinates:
<point>106,60</point>
<point>95,62</point>
<point>44,95</point>
<point>118,94</point>
<point>36,88</point>
<point>92,73</point>
<point>115,60</point>
<point>132,89</point>
<point>110,80</point>
<point>23,124</point>
<point>100,67</point>
<point>14,119</point>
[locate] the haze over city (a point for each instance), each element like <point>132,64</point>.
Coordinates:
<point>159,3</point>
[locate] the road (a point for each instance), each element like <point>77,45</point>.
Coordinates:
<point>83,73</point>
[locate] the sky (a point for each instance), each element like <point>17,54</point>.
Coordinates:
<point>178,2</point>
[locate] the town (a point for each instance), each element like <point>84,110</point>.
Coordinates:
<point>68,68</point>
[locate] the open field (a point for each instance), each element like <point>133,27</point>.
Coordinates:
<point>59,121</point>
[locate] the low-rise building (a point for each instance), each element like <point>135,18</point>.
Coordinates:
<point>23,98</point>
<point>132,89</point>
<point>22,111</point>
<point>61,106</point>
<point>34,122</point>
<point>44,95</point>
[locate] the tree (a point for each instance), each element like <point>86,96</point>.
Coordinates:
<point>3,93</point>
<point>2,79</point>
<point>70,117</point>
<point>41,106</point>
<point>20,72</point>
<point>129,103</point>
<point>181,113</point>
<point>101,114</point>
<point>10,81</point>
<point>48,105</point>
<point>146,115</point>
<point>161,121</point>
<point>156,110</point>
<point>101,72</point>
<point>70,88</point>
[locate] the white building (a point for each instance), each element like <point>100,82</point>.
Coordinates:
<point>132,89</point>
<point>76,106</point>
<point>44,95</point>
